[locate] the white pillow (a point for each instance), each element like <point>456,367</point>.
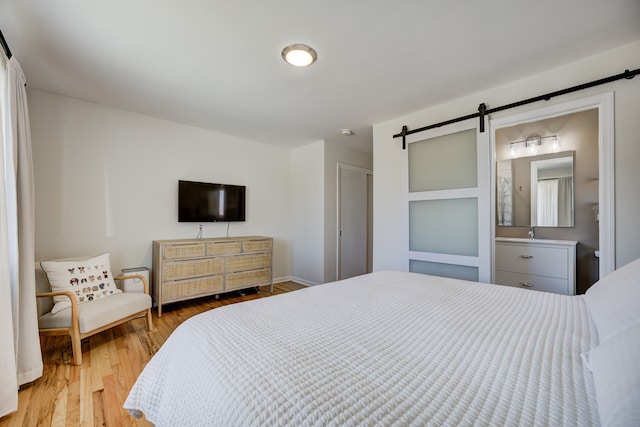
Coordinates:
<point>88,279</point>
<point>614,301</point>
<point>616,376</point>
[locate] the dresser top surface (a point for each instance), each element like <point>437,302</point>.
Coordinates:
<point>211,239</point>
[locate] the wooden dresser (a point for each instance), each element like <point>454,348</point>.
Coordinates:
<point>539,264</point>
<point>191,268</point>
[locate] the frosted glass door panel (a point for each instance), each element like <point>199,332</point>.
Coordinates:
<point>448,226</point>
<point>462,272</point>
<point>444,162</point>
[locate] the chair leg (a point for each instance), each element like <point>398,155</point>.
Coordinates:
<point>76,346</point>
<point>149,320</point>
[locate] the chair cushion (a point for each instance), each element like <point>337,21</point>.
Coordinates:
<point>88,278</point>
<point>97,313</point>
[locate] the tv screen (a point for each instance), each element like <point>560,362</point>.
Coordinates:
<point>207,202</point>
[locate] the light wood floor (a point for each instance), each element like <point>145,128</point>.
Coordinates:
<point>93,394</point>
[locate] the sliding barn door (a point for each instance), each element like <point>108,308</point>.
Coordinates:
<point>448,199</point>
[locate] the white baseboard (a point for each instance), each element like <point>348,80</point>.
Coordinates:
<point>293,279</point>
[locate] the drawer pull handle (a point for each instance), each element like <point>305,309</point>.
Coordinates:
<point>526,284</point>
<point>526,256</point>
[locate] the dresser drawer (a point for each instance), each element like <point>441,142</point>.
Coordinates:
<point>183,289</point>
<point>186,250</point>
<point>248,278</point>
<point>257,245</point>
<point>174,270</point>
<point>531,281</point>
<point>539,260</point>
<point>224,248</point>
<point>248,262</point>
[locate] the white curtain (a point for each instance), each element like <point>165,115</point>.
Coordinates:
<point>21,357</point>
<point>565,201</point>
<point>547,203</point>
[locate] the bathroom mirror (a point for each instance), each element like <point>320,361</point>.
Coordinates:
<point>536,190</point>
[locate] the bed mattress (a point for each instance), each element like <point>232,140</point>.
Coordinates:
<point>387,348</point>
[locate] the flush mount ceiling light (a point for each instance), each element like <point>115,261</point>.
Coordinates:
<point>299,55</point>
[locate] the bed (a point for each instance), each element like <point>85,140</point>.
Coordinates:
<point>397,348</point>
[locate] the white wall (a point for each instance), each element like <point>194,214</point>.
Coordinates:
<point>336,152</point>
<point>390,225</point>
<point>314,172</point>
<point>106,180</point>
<point>307,213</point>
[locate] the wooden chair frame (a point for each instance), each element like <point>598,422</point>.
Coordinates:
<point>74,329</point>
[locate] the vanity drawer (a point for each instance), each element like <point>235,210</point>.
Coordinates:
<point>528,259</point>
<point>534,282</point>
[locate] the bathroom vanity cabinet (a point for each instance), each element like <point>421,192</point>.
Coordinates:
<point>538,264</point>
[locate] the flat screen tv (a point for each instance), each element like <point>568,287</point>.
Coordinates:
<point>208,202</point>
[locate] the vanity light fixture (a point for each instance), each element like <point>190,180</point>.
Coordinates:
<point>533,145</point>
<point>533,141</point>
<point>299,55</point>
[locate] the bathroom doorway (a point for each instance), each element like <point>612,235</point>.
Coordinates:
<point>581,131</point>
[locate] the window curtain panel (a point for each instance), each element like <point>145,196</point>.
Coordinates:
<point>21,357</point>
<point>565,201</point>
<point>547,203</point>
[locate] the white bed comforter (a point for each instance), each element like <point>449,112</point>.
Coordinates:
<point>386,348</point>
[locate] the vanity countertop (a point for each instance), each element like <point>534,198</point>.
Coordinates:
<point>536,241</point>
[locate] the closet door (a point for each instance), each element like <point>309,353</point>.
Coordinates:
<point>448,202</point>
<point>352,222</point>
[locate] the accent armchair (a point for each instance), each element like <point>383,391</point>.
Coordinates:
<point>90,303</point>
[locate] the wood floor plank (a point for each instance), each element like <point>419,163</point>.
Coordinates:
<point>40,408</point>
<point>59,405</point>
<point>93,393</point>
<point>112,336</point>
<point>112,407</point>
<point>122,383</point>
<point>86,393</point>
<point>73,395</point>
<point>59,415</point>
<point>98,409</point>
<point>96,371</point>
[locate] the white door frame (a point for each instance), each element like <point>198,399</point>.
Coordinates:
<point>606,197</point>
<point>339,168</point>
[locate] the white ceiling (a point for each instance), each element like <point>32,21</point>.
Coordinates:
<point>217,65</point>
